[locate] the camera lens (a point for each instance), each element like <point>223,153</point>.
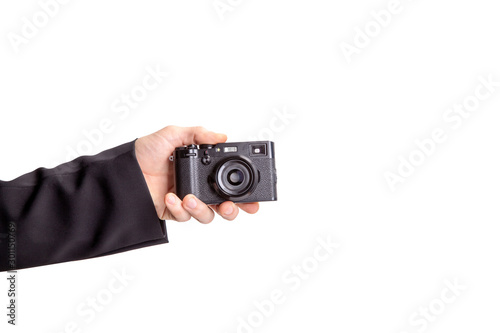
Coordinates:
<point>235,178</point>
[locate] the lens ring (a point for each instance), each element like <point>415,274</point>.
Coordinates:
<point>235,178</point>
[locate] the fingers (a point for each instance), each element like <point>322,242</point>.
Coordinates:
<point>183,210</point>
<point>228,210</point>
<point>197,209</point>
<point>175,208</point>
<point>198,135</point>
<point>250,208</point>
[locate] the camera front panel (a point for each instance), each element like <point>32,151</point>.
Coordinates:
<point>238,171</point>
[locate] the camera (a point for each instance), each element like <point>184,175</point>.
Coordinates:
<point>236,171</point>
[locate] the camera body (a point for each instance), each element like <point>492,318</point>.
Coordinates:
<point>235,171</point>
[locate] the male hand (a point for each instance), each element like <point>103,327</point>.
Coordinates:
<point>152,153</point>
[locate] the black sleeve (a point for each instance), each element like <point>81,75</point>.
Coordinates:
<point>90,207</point>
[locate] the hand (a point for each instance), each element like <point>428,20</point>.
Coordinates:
<point>152,153</point>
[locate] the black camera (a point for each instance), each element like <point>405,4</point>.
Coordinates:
<point>237,171</point>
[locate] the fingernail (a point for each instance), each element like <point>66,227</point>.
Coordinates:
<point>229,210</point>
<point>191,203</point>
<point>171,199</point>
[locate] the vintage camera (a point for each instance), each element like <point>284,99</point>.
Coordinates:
<point>237,171</point>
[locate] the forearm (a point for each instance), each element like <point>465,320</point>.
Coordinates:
<point>92,206</point>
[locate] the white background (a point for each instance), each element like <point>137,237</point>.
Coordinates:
<point>348,124</point>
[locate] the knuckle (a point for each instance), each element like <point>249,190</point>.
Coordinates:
<point>170,128</point>
<point>184,218</point>
<point>206,217</point>
<point>208,220</point>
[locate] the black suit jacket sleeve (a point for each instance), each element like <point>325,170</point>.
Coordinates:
<point>89,207</point>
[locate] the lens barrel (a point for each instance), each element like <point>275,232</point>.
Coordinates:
<point>235,178</point>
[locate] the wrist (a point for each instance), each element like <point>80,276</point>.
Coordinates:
<point>141,160</point>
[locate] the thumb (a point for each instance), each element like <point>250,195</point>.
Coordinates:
<point>198,135</point>
<point>210,138</point>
